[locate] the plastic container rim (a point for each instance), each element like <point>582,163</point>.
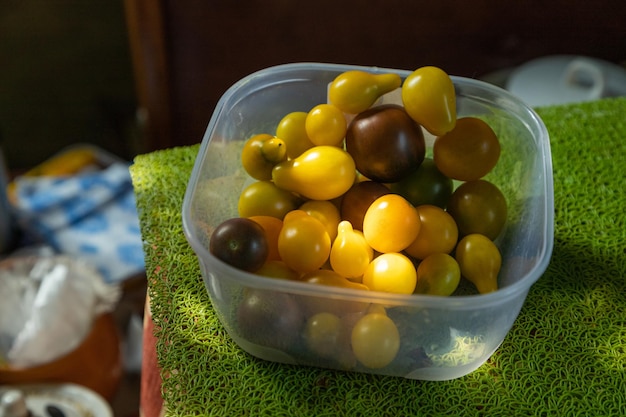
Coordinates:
<point>460,302</point>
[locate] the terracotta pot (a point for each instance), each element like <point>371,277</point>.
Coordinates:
<point>95,364</point>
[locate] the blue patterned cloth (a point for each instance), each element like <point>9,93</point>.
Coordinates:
<point>91,216</point>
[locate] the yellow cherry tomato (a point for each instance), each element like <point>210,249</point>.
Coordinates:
<point>350,254</point>
<point>263,198</point>
<point>438,232</point>
<point>326,212</point>
<point>355,91</point>
<point>260,153</point>
<point>326,125</point>
<point>468,152</point>
<point>313,305</point>
<point>375,340</point>
<point>438,274</point>
<point>332,278</point>
<point>303,242</point>
<point>320,173</point>
<point>277,269</point>
<point>429,98</point>
<point>391,272</point>
<point>480,261</point>
<point>390,224</point>
<point>292,131</point>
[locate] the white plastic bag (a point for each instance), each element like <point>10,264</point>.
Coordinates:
<point>48,305</point>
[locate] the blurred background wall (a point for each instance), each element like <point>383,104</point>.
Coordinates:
<point>78,70</point>
<point>65,77</point>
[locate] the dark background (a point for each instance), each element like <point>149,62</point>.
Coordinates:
<point>68,72</point>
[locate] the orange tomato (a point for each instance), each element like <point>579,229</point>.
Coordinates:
<point>390,224</point>
<point>271,226</point>
<point>303,242</point>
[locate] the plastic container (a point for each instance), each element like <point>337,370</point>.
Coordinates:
<point>441,338</point>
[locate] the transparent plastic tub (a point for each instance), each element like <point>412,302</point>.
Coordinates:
<point>441,338</point>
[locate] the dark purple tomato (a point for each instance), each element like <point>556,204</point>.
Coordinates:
<point>240,242</point>
<point>385,143</point>
<point>357,200</point>
<point>269,318</point>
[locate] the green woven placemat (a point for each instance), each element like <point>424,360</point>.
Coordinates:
<point>565,355</point>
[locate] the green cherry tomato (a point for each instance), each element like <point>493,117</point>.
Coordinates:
<point>478,207</point>
<point>480,262</point>
<point>426,185</point>
<point>438,274</point>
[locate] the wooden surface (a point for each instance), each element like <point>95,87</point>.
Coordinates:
<point>186,53</point>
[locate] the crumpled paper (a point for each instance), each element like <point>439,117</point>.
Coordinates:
<point>48,306</point>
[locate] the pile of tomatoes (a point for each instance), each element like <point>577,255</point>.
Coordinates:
<point>344,195</point>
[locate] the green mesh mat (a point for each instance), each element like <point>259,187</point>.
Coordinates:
<point>565,355</point>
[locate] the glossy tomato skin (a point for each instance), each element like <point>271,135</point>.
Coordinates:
<point>241,243</point>
<point>391,224</point>
<point>264,198</point>
<point>438,232</point>
<point>260,153</point>
<point>303,242</point>
<point>469,151</point>
<point>479,261</point>
<point>438,274</point>
<point>426,185</point>
<point>385,143</point>
<point>356,91</point>
<point>291,129</point>
<point>357,200</point>
<point>429,97</point>
<point>478,207</point>
<point>325,124</point>
<point>391,272</point>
